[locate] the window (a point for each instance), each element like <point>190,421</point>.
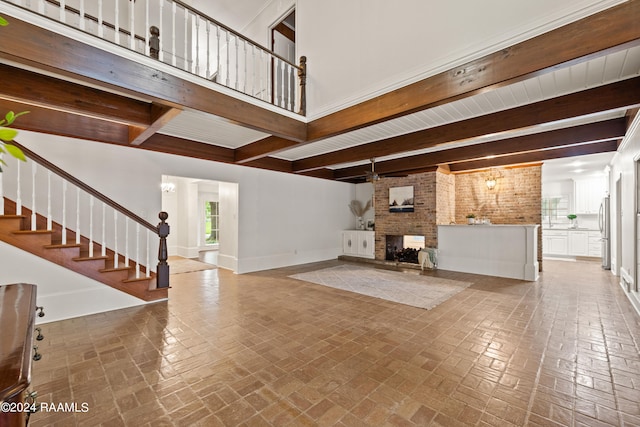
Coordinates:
<point>211,222</point>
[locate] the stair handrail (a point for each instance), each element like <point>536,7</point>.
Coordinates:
<point>85,187</point>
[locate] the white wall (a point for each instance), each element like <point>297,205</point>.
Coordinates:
<point>359,48</point>
<point>283,219</point>
<point>623,168</point>
<point>63,293</point>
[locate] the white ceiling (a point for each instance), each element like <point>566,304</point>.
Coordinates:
<point>576,167</point>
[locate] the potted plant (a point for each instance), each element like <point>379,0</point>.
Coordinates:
<point>572,218</point>
<point>471,218</point>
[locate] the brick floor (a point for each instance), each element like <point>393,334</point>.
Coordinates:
<point>263,349</point>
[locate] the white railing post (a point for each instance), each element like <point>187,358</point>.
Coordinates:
<point>100,26</point>
<point>132,26</point>
<point>137,251</point>
<point>81,23</point>
<point>196,68</point>
<point>115,238</point>
<point>147,48</point>
<point>77,215</point>
<point>103,252</point>
<point>116,23</point>
<point>173,35</point>
<point>186,46</point>
<point>126,242</point>
<point>91,203</point>
<point>49,213</point>
<point>62,11</point>
<point>208,31</point>
<point>64,212</point>
<point>227,38</point>
<point>34,217</point>
<point>18,190</point>
<point>148,263</point>
<point>237,76</point>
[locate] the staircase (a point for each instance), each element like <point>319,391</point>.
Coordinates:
<point>42,236</point>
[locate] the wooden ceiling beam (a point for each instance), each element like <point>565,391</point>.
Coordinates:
<point>537,156</point>
<point>161,116</point>
<point>605,130</point>
<point>36,89</point>
<point>605,32</point>
<point>32,46</point>
<point>184,147</point>
<point>53,122</point>
<point>259,149</point>
<point>622,94</point>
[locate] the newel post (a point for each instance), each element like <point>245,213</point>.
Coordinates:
<point>302,76</point>
<point>162,271</point>
<point>154,42</point>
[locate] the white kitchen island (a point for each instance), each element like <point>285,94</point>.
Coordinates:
<point>494,250</point>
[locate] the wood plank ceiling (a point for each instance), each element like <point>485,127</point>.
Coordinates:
<point>568,92</point>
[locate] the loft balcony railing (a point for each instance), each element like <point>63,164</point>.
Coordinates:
<point>183,37</point>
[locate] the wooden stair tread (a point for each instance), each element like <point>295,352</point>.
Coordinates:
<point>33,232</point>
<point>12,217</point>
<point>61,246</point>
<point>141,279</point>
<point>88,258</point>
<point>107,270</point>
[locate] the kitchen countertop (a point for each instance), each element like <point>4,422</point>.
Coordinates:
<point>570,229</point>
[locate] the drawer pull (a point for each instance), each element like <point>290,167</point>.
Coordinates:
<point>39,337</point>
<point>36,356</point>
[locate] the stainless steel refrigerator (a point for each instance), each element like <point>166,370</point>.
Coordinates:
<point>604,221</point>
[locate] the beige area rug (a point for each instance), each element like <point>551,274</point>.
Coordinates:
<point>404,288</point>
<point>178,265</point>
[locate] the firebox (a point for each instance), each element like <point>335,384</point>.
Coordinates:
<point>403,248</point>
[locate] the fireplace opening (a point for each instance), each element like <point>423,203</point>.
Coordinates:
<point>404,248</point>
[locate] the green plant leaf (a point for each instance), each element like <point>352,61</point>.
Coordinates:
<point>15,152</point>
<point>3,162</point>
<point>3,22</point>
<point>7,134</point>
<point>10,117</point>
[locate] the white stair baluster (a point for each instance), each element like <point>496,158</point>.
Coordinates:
<point>82,26</point>
<point>18,190</point>
<point>103,252</point>
<point>137,251</point>
<point>34,168</point>
<point>173,34</point>
<point>161,28</point>
<point>1,192</point>
<point>64,212</point>
<point>244,50</point>
<point>196,67</point>
<point>116,23</point>
<point>208,31</point>
<point>49,213</point>
<point>77,215</point>
<point>185,66</point>
<point>219,77</point>
<point>100,26</point>
<point>237,76</point>
<point>227,32</point>
<point>132,26</point>
<point>126,241</point>
<point>62,11</point>
<point>91,203</point>
<point>115,238</point>
<point>253,78</point>
<point>147,48</point>
<point>283,101</point>
<point>148,263</point>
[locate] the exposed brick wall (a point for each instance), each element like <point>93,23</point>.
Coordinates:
<point>434,203</point>
<point>516,199</point>
<point>441,197</point>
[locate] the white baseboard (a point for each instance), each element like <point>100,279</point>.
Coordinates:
<point>248,265</point>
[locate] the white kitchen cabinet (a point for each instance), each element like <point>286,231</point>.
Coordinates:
<point>555,242</point>
<point>578,243</point>
<point>595,244</point>
<point>588,194</point>
<point>359,243</point>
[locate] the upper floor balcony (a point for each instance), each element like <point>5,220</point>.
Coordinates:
<point>177,35</point>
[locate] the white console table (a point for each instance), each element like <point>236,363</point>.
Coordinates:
<point>493,250</point>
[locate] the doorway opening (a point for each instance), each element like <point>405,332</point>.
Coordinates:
<point>203,219</point>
